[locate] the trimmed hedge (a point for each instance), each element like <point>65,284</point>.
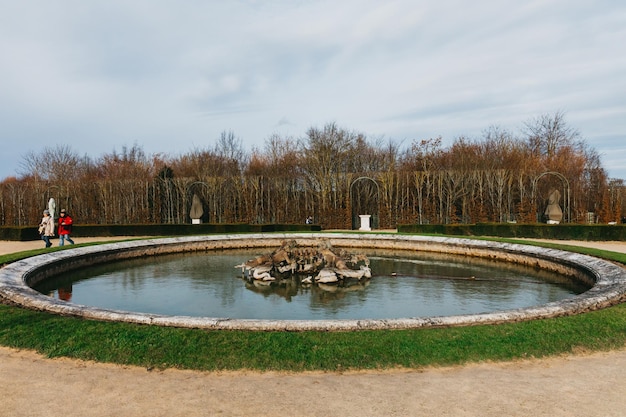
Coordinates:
<point>536,231</point>
<point>96,230</point>
<point>19,233</point>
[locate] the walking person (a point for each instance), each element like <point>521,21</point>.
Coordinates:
<point>46,228</point>
<point>65,227</point>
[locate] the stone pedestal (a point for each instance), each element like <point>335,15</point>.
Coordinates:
<point>365,222</point>
<point>196,221</point>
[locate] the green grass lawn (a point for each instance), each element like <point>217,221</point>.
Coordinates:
<point>162,347</point>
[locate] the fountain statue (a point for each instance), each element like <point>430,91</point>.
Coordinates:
<point>321,264</point>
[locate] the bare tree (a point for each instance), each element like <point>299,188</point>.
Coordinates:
<point>230,149</point>
<point>52,163</point>
<point>548,133</point>
<point>325,156</point>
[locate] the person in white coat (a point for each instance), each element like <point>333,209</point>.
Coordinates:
<point>46,228</point>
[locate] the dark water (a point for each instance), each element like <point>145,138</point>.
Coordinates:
<point>403,284</point>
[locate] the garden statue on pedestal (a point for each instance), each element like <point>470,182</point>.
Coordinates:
<point>553,211</point>
<point>196,211</point>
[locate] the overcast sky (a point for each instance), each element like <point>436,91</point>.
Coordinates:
<point>170,76</point>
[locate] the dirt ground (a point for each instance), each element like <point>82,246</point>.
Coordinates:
<point>574,385</point>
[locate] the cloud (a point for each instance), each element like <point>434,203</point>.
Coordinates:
<point>98,75</point>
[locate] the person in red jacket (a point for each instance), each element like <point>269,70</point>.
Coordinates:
<point>65,228</point>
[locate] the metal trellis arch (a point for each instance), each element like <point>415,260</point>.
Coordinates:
<point>355,207</point>
<point>566,191</point>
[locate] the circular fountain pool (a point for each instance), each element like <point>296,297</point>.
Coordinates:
<point>404,284</point>
<point>605,280</point>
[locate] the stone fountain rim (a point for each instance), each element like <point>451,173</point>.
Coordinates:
<point>609,287</point>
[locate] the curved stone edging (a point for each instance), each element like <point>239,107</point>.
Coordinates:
<point>608,279</point>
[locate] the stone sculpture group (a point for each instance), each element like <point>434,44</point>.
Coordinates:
<point>318,264</point>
